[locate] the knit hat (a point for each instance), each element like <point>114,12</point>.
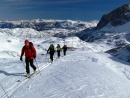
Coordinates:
<point>26,41</point>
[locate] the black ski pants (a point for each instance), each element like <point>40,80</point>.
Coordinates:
<point>64,53</point>
<point>58,53</point>
<point>31,64</point>
<point>51,56</point>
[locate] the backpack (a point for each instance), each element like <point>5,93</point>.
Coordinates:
<point>51,48</point>
<point>30,46</point>
<point>30,43</point>
<point>58,47</point>
<point>65,47</point>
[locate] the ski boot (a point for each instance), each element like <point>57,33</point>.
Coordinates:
<point>35,72</point>
<point>28,75</point>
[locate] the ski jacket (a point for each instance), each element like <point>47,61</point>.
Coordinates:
<point>29,51</point>
<point>58,48</point>
<point>64,48</point>
<point>51,49</point>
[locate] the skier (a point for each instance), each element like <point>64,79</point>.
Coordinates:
<point>58,50</point>
<point>30,55</point>
<point>64,49</point>
<point>51,50</point>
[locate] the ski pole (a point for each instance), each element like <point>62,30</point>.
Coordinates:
<point>45,57</point>
<point>23,64</point>
<point>4,91</point>
<point>38,67</point>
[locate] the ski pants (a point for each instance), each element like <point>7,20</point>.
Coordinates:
<point>58,53</point>
<point>64,53</point>
<point>51,56</point>
<point>31,64</point>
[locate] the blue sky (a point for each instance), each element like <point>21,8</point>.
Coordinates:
<point>85,10</point>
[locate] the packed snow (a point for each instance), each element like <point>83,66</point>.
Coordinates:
<point>85,72</point>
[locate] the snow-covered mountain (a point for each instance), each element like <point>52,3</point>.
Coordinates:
<point>116,17</point>
<point>41,28</point>
<point>41,24</point>
<point>112,29</point>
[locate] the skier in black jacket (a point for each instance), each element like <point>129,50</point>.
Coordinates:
<point>64,49</point>
<point>51,50</point>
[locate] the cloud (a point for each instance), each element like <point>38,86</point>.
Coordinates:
<point>41,2</point>
<point>64,1</point>
<point>51,2</point>
<point>35,4</point>
<point>15,0</point>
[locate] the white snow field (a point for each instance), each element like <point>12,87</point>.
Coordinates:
<point>85,72</point>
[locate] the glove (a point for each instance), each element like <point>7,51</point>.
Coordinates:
<point>34,57</point>
<point>21,59</point>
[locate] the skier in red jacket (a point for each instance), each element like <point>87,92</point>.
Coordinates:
<point>30,54</point>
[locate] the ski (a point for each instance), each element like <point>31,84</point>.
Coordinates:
<point>20,80</point>
<point>32,75</point>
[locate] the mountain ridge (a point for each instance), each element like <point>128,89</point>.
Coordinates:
<point>117,17</point>
<point>41,24</point>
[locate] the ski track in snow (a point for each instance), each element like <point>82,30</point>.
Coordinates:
<point>17,85</point>
<point>95,84</point>
<point>65,79</point>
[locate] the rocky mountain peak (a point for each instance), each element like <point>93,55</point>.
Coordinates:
<point>116,17</point>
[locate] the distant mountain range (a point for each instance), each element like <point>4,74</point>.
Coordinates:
<point>112,31</point>
<point>41,24</point>
<point>113,28</point>
<point>41,27</point>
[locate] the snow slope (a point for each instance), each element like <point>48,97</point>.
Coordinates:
<point>87,72</point>
<point>78,75</point>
